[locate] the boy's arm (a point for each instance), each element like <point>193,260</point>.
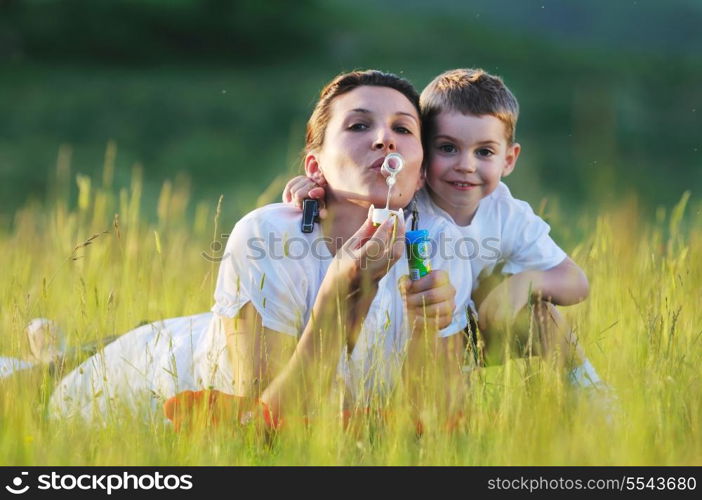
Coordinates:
<point>301,187</point>
<point>564,284</point>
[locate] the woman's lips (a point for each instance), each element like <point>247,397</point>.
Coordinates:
<point>377,164</point>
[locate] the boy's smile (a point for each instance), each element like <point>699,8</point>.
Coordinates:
<point>468,155</point>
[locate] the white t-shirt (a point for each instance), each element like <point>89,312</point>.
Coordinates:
<point>279,269</point>
<point>146,366</point>
<point>503,229</point>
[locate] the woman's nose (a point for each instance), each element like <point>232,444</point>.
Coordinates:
<point>384,140</point>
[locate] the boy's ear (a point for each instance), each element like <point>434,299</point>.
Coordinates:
<point>511,158</point>
<point>422,178</point>
<point>313,170</point>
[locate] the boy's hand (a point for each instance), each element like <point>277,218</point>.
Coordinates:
<point>430,300</point>
<point>501,306</point>
<point>301,187</point>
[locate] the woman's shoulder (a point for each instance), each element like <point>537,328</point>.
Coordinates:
<point>279,215</point>
<point>269,239</point>
<point>274,220</point>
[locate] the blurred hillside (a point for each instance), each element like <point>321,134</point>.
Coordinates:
<point>219,91</point>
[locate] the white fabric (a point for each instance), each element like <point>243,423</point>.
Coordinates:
<point>283,288</point>
<point>135,373</point>
<point>279,269</point>
<point>503,229</point>
<point>584,375</point>
<point>8,366</point>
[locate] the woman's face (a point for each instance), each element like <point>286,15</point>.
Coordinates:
<point>365,125</point>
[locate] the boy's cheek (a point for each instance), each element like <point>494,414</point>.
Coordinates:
<point>438,164</point>
<point>432,170</point>
<point>432,161</point>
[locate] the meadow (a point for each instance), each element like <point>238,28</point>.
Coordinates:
<point>99,265</point>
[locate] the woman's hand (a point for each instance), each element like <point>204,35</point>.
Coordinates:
<point>368,254</point>
<point>299,188</point>
<point>430,301</point>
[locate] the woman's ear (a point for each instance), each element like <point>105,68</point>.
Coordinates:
<point>313,170</point>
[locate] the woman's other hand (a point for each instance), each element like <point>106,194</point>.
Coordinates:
<point>430,301</point>
<point>369,253</point>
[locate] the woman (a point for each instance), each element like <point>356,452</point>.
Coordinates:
<point>46,350</point>
<point>296,312</point>
<point>45,343</point>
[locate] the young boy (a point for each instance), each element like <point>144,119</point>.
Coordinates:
<point>469,119</point>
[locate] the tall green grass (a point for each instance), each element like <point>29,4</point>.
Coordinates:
<point>98,269</point>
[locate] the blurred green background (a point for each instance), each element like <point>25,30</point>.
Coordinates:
<point>216,93</point>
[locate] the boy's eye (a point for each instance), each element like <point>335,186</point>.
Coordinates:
<point>484,152</point>
<point>447,148</point>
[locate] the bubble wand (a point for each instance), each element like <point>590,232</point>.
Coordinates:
<point>392,165</point>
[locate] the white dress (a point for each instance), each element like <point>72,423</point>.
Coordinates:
<point>8,366</point>
<point>271,264</point>
<point>134,374</point>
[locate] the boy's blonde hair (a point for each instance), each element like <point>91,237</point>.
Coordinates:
<point>469,91</point>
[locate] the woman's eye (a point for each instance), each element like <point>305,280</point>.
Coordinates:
<point>403,130</point>
<point>358,126</point>
<point>484,152</point>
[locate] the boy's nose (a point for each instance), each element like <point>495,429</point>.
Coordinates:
<point>466,164</point>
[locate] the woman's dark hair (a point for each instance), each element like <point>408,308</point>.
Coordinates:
<point>346,82</point>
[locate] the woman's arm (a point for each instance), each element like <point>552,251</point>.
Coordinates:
<point>434,376</point>
<point>303,369</point>
<point>341,305</point>
<point>434,364</point>
<point>257,354</point>
<point>274,363</point>
<point>310,370</point>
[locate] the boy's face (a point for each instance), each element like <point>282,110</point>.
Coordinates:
<point>468,155</point>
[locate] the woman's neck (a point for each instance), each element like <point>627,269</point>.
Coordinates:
<point>344,219</point>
